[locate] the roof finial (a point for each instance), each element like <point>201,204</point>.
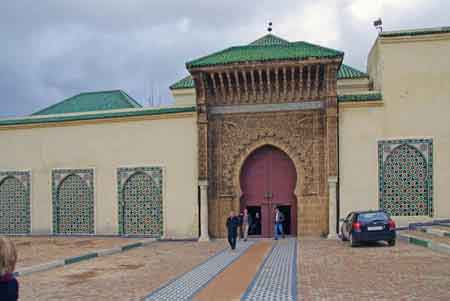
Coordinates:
<point>269,28</point>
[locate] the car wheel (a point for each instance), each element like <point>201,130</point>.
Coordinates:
<point>391,243</point>
<point>352,241</point>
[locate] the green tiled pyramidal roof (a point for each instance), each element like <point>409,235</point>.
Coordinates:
<point>185,83</point>
<point>345,72</point>
<point>269,39</point>
<point>267,48</point>
<point>92,101</point>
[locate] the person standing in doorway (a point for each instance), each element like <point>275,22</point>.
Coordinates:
<point>279,220</point>
<point>246,222</point>
<point>232,226</point>
<point>240,226</point>
<point>257,224</point>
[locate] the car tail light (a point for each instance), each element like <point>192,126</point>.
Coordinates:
<point>391,225</point>
<point>357,226</point>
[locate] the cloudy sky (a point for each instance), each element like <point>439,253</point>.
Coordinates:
<point>53,49</point>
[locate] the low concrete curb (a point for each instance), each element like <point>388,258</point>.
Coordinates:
<point>439,247</point>
<point>75,259</point>
<point>436,232</point>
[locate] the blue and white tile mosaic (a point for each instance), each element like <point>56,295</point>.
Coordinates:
<point>406,176</point>
<point>140,195</point>
<point>73,201</point>
<point>15,202</point>
<point>277,277</point>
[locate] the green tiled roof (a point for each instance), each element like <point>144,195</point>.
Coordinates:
<point>92,101</point>
<point>269,39</point>
<point>94,115</point>
<point>267,48</point>
<point>345,72</point>
<point>415,32</point>
<point>373,96</point>
<point>185,83</point>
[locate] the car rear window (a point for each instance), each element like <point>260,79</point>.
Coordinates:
<point>372,216</point>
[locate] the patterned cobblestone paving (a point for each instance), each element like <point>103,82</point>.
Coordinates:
<point>276,279</point>
<point>43,249</point>
<point>129,275</point>
<point>184,287</point>
<point>332,270</point>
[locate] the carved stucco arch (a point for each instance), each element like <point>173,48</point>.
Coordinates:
<point>269,141</point>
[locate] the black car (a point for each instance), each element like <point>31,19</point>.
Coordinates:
<point>368,226</point>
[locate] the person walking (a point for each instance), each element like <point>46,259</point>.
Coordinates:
<point>246,222</point>
<point>232,226</point>
<point>279,220</point>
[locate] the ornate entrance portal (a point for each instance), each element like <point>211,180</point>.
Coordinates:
<point>269,92</point>
<point>268,179</point>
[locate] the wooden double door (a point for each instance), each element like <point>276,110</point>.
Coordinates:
<point>268,179</point>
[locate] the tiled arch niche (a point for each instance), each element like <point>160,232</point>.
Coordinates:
<point>406,176</point>
<point>140,206</point>
<point>15,197</point>
<point>73,201</point>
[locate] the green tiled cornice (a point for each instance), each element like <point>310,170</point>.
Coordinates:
<point>374,96</point>
<point>92,101</point>
<point>267,48</point>
<point>93,116</point>
<point>415,32</point>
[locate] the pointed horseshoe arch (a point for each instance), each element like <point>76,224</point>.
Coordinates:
<point>268,179</point>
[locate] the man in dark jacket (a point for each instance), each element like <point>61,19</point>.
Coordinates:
<point>232,226</point>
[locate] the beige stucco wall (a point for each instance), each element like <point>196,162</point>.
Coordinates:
<point>351,86</point>
<point>359,128</point>
<point>169,142</point>
<point>414,74</point>
<point>184,97</point>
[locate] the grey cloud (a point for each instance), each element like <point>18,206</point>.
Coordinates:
<point>52,49</point>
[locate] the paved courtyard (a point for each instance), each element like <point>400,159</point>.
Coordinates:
<point>325,270</point>
<point>332,270</point>
<point>37,250</point>
<point>129,275</point>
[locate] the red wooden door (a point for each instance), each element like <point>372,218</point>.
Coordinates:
<point>268,179</point>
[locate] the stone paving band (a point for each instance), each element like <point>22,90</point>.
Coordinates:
<point>186,286</point>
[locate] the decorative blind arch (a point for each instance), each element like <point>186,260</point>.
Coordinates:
<point>406,177</point>
<point>15,215</point>
<point>73,201</point>
<point>140,201</point>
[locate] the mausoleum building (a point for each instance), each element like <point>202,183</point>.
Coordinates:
<point>272,123</point>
